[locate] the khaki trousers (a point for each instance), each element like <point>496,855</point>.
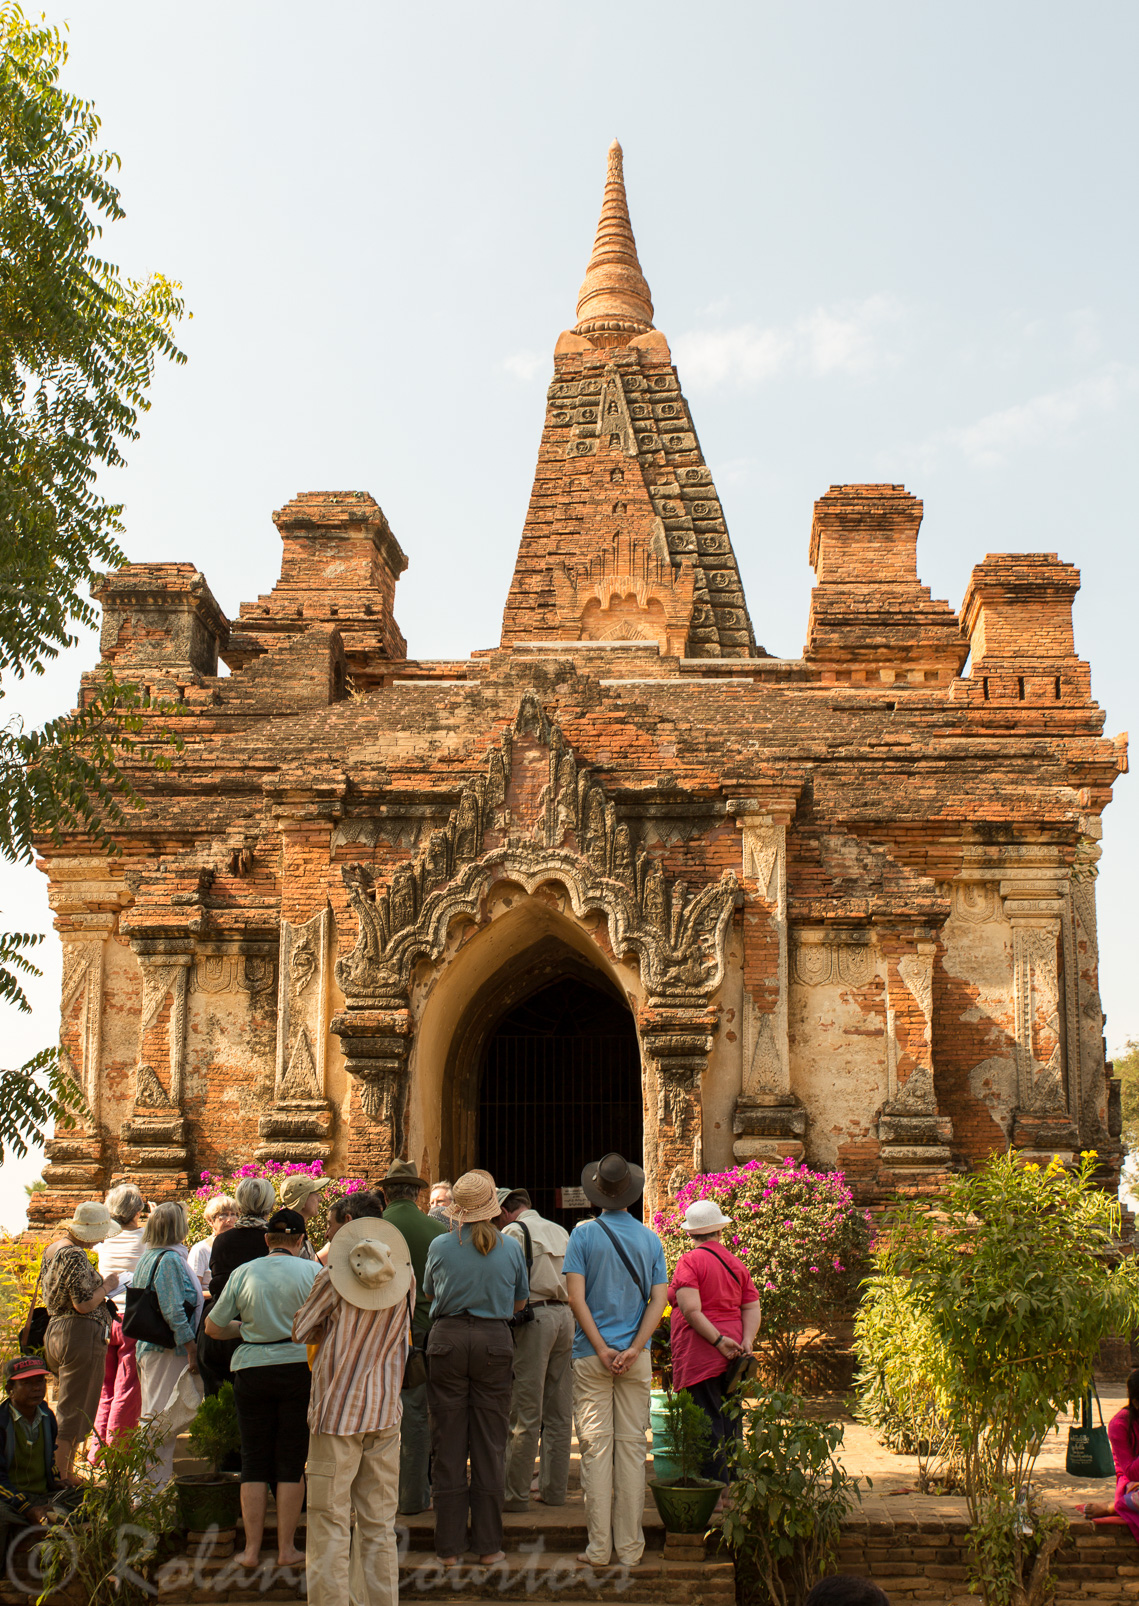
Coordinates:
<point>541,1403</point>
<point>612,1416</point>
<point>347,1470</point>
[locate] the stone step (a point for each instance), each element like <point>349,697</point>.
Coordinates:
<point>538,1575</point>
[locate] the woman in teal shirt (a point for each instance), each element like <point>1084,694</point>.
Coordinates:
<point>476,1279</point>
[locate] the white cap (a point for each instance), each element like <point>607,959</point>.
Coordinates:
<point>704,1216</point>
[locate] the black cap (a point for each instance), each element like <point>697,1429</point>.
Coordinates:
<point>290,1221</point>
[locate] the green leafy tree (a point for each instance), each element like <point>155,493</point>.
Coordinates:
<point>78,345</point>
<point>1126,1066</point>
<point>1019,1276</point>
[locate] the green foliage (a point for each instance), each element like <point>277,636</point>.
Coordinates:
<point>802,1238</point>
<point>214,1432</point>
<point>19,1268</point>
<point>1126,1067</point>
<point>106,1546</point>
<point>1013,1549</point>
<point>689,1436</point>
<point>789,1497</point>
<point>78,345</point>
<point>1019,1274</point>
<point>902,1381</point>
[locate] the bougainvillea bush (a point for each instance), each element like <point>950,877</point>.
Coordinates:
<point>802,1238</point>
<point>226,1182</point>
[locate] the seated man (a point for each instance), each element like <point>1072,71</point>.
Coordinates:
<point>30,1487</point>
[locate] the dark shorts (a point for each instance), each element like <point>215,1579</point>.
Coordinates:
<point>272,1413</point>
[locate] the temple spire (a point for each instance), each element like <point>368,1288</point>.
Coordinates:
<point>614,300</point>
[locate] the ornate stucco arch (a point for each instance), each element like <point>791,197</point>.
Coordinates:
<point>539,822</point>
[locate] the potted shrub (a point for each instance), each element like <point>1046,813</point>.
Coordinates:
<point>686,1501</point>
<point>209,1498</point>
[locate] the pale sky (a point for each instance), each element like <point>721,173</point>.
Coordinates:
<point>886,241</point>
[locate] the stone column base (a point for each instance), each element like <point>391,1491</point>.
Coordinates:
<point>769,1127</point>
<point>296,1131</point>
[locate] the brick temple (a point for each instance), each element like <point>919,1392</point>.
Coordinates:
<point>624,879</point>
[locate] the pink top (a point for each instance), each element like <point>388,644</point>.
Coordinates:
<point>725,1287</point>
<point>1126,1464</point>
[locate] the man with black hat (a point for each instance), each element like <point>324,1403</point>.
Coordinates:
<point>403,1187</point>
<point>617,1281</point>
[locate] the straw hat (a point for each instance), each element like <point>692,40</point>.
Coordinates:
<point>473,1198</point>
<point>705,1216</point>
<point>91,1222</point>
<point>369,1264</point>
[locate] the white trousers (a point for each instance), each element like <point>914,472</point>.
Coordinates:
<point>158,1371</point>
<point>346,1471</point>
<point>612,1417</point>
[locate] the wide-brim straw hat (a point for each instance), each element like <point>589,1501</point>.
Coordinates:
<point>91,1222</point>
<point>369,1264</point>
<point>612,1183</point>
<point>705,1215</point>
<point>474,1197</point>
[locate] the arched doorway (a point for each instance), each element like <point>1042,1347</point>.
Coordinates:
<point>559,1084</point>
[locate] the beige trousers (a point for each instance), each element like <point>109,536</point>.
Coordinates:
<point>346,1471</point>
<point>612,1418</point>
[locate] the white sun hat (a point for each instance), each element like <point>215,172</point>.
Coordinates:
<point>705,1216</point>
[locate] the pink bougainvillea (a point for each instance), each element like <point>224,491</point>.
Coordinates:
<point>801,1236</point>
<point>213,1182</point>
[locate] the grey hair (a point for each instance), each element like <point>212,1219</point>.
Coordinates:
<point>167,1224</point>
<point>219,1202</point>
<point>255,1196</point>
<point>124,1203</point>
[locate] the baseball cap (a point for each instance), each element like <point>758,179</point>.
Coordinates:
<point>287,1221</point>
<point>23,1366</point>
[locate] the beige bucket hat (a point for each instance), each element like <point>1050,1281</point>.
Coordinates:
<point>91,1222</point>
<point>369,1264</point>
<point>297,1188</point>
<point>473,1198</point>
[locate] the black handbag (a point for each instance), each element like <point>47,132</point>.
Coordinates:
<point>143,1319</point>
<point>415,1367</point>
<point>1089,1448</point>
<point>526,1314</point>
<point>35,1327</point>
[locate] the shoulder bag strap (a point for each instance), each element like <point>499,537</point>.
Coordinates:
<point>529,1247</point>
<point>728,1268</point>
<point>628,1264</point>
<point>1095,1391</point>
<point>32,1307</point>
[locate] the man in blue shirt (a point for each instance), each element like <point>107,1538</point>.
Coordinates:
<point>617,1281</point>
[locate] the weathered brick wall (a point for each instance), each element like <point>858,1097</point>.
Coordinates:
<point>930,1561</point>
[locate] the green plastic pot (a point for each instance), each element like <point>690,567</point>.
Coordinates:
<point>206,1499</point>
<point>686,1508</point>
<point>664,1467</point>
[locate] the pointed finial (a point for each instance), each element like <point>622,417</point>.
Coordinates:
<point>614,300</point>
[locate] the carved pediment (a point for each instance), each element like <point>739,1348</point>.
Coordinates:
<point>566,831</point>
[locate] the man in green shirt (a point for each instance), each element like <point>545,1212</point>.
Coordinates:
<point>30,1487</point>
<point>403,1189</point>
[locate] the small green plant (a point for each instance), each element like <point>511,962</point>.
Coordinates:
<point>214,1433</point>
<point>105,1548</point>
<point>789,1497</point>
<point>902,1382</point>
<point>689,1437</point>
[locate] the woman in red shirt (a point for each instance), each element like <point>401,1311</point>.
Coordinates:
<point>715,1317</point>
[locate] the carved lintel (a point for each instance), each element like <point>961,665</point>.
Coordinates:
<point>569,833</point>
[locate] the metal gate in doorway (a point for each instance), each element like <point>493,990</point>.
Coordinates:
<point>561,1085</point>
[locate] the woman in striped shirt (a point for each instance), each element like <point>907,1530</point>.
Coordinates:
<point>359,1312</point>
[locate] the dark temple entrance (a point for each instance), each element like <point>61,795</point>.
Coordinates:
<point>560,1085</point>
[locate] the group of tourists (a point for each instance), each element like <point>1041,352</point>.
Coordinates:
<point>436,1352</point>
